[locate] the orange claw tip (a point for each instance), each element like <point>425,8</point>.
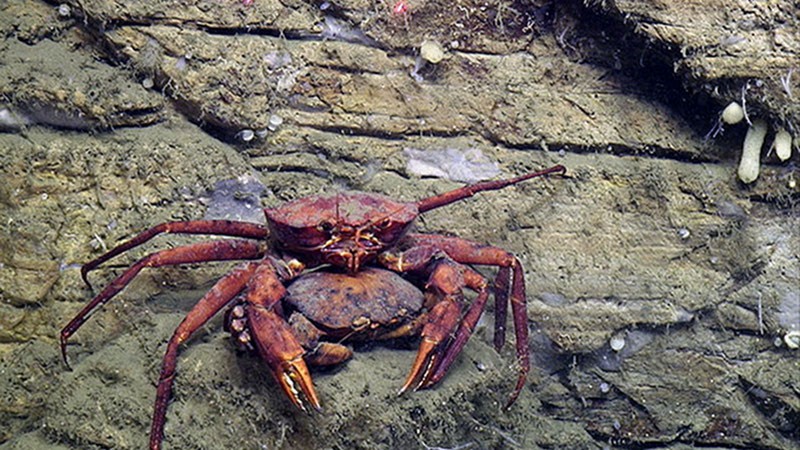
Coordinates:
<point>422,366</point>
<point>288,387</point>
<point>405,387</point>
<point>295,380</point>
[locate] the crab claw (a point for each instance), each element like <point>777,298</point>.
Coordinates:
<point>435,335</point>
<point>280,349</point>
<point>294,379</point>
<point>427,358</point>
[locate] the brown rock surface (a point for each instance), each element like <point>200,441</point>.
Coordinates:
<point>728,49</point>
<point>650,240</point>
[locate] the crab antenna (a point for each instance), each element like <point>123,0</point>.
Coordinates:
<point>338,197</point>
<point>426,204</point>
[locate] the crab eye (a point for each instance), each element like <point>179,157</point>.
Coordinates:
<point>389,232</point>
<point>326,227</point>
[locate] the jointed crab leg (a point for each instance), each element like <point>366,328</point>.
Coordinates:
<point>214,300</point>
<point>423,247</point>
<point>437,350</point>
<point>427,204</point>
<point>220,227</point>
<point>445,282</point>
<point>502,285</point>
<point>221,250</point>
<point>476,282</point>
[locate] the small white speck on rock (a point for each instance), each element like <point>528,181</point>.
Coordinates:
<point>246,135</point>
<point>274,122</point>
<point>617,343</point>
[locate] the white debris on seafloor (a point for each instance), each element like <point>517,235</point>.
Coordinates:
<point>236,199</point>
<point>33,114</point>
<point>13,120</point>
<point>464,165</point>
<point>340,30</point>
<point>277,59</point>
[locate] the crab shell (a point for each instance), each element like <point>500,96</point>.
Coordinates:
<point>372,301</point>
<point>346,230</point>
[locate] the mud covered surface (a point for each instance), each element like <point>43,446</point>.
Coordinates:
<point>662,292</point>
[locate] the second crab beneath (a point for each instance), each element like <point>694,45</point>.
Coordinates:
<point>327,309</point>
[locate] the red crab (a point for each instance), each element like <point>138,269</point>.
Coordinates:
<point>351,231</point>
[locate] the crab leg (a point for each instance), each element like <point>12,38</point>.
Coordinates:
<point>427,204</point>
<point>220,227</point>
<point>423,247</point>
<point>221,250</point>
<point>214,300</point>
<point>275,340</point>
<point>476,282</point>
<point>445,281</point>
<point>501,288</point>
<point>437,350</point>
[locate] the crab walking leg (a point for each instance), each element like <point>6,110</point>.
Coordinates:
<point>477,283</point>
<point>422,246</point>
<point>501,288</point>
<point>214,300</point>
<point>219,227</point>
<point>445,282</point>
<point>274,339</point>
<point>221,250</point>
<point>433,361</point>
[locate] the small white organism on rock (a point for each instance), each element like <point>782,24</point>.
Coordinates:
<point>246,135</point>
<point>783,144</point>
<point>792,339</point>
<point>617,342</point>
<point>750,163</point>
<point>275,121</point>
<point>733,113</point>
<point>430,52</point>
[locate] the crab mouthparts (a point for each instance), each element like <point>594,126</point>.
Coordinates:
<point>350,254</point>
<point>348,259</point>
